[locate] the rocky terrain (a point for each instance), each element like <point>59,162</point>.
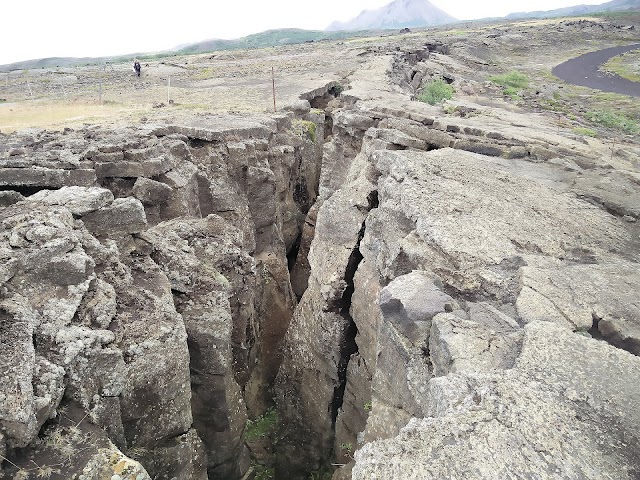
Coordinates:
<point>359,285</point>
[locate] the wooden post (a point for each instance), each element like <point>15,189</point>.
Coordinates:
<point>100,90</point>
<point>613,147</point>
<point>168,90</point>
<point>273,81</point>
<point>29,85</point>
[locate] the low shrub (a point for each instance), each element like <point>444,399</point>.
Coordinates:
<point>262,426</point>
<point>613,120</point>
<point>435,92</point>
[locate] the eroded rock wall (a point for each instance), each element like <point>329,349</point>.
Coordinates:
<point>145,284</point>
<point>472,242</point>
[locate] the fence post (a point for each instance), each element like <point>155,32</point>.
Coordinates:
<point>273,82</point>
<point>168,89</point>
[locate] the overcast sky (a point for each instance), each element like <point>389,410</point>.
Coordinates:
<point>73,28</point>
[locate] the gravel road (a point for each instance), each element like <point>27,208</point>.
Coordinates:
<point>583,70</point>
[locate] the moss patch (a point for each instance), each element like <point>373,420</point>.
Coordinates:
<point>305,128</point>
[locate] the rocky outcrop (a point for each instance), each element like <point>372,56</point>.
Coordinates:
<point>558,410</point>
<point>365,281</point>
<point>150,296</point>
<point>456,255</point>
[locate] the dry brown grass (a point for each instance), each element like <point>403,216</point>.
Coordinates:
<point>55,115</point>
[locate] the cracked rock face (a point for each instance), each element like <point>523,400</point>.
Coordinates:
<point>476,276</point>
<point>147,293</point>
<point>549,416</point>
<point>406,290</point>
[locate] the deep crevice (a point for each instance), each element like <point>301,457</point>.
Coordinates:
<point>25,191</point>
<point>614,339</point>
<point>292,254</point>
<point>593,331</point>
<point>349,346</point>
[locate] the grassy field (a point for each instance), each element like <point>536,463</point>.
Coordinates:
<point>626,65</point>
<point>57,114</point>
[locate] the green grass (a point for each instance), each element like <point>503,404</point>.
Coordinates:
<point>626,65</point>
<point>435,92</point>
<point>587,132</point>
<point>262,426</point>
<point>511,91</point>
<point>613,120</point>
<point>513,82</point>
<point>263,472</point>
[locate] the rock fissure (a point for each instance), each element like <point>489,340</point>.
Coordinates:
<point>361,280</point>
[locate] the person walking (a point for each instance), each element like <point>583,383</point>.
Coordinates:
<point>136,67</point>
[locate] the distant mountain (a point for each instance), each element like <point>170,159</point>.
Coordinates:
<point>397,14</point>
<point>269,38</point>
<point>614,6</point>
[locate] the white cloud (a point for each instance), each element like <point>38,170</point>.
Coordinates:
<point>44,28</point>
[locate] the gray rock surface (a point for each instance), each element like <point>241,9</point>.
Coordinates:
<point>119,301</point>
<point>451,251</point>
<point>549,417</point>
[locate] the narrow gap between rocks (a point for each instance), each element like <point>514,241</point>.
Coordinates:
<point>25,191</point>
<point>615,340</point>
<point>292,254</point>
<point>349,346</point>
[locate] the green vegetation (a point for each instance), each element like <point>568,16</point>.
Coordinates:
<point>263,472</point>
<point>587,132</point>
<point>336,90</point>
<point>626,65</point>
<point>513,82</point>
<point>262,426</point>
<point>613,120</point>
<point>368,406</point>
<point>435,92</point>
<point>271,38</point>
<point>346,447</point>
<point>322,474</point>
<point>305,128</point>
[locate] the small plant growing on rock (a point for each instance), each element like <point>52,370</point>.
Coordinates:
<point>305,128</point>
<point>367,406</point>
<point>436,91</point>
<point>262,426</point>
<point>346,447</point>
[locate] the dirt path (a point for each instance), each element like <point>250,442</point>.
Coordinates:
<point>583,71</point>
